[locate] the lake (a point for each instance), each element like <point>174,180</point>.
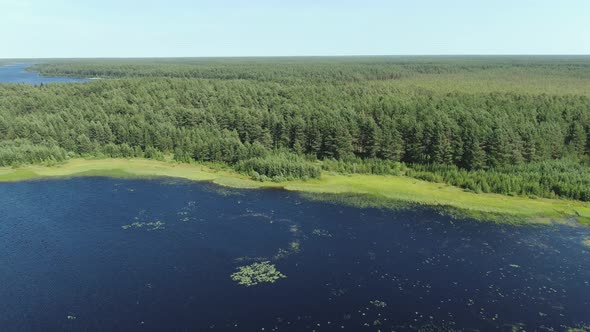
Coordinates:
<point>103,254</point>
<point>17,73</point>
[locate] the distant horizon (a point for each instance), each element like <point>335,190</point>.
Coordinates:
<point>303,56</point>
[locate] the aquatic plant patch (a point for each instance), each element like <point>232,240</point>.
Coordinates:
<point>257,273</point>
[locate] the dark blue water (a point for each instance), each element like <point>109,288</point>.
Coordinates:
<point>17,73</point>
<point>68,264</point>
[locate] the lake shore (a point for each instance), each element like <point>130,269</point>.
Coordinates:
<point>393,188</point>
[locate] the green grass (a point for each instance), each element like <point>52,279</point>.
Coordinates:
<point>367,190</point>
<point>480,206</point>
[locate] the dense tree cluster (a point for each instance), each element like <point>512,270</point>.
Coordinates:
<point>355,117</point>
<point>279,167</point>
<point>19,152</point>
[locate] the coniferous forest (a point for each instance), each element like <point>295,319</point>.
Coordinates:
<point>510,125</point>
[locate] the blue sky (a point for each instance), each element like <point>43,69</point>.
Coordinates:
<point>144,28</point>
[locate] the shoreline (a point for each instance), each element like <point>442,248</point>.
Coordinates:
<point>389,188</point>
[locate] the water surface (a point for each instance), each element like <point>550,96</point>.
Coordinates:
<point>70,262</point>
<point>17,73</point>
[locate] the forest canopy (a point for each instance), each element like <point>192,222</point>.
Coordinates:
<point>512,125</point>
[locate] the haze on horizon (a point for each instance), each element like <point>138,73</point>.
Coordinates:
<point>184,28</point>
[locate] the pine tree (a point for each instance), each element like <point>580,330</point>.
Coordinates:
<point>498,148</point>
<point>84,145</point>
<point>4,128</point>
<point>576,138</point>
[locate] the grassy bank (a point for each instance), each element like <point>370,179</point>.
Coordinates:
<point>382,187</point>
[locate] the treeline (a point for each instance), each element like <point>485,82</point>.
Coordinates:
<point>279,128</point>
<point>228,121</point>
<point>558,178</point>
